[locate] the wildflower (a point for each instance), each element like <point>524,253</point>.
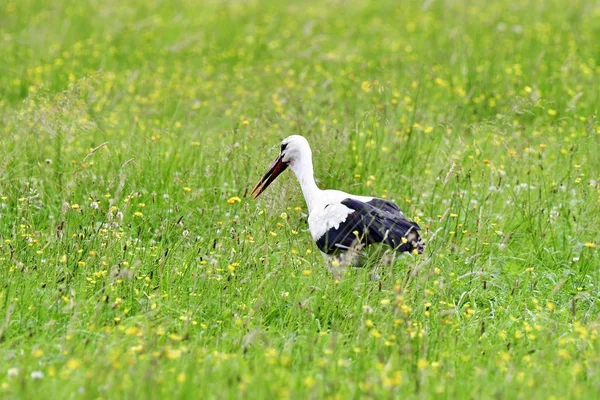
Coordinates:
<point>132,330</point>
<point>75,206</point>
<point>375,333</point>
<point>73,363</point>
<point>175,337</point>
<point>307,272</point>
<point>564,354</point>
<point>173,354</point>
<point>37,375</point>
<point>234,200</point>
<point>232,267</point>
<point>309,381</point>
<point>12,372</point>
<point>138,214</point>
<point>187,189</point>
<point>590,245</point>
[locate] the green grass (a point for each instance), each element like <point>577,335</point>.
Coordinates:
<point>133,271</point>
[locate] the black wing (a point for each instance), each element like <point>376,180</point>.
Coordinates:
<point>375,221</point>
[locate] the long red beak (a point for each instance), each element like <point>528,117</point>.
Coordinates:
<point>276,168</point>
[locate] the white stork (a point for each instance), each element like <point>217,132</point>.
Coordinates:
<point>340,222</point>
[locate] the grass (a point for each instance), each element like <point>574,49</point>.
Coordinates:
<point>134,264</point>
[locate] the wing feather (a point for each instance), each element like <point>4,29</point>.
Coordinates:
<point>374,221</point>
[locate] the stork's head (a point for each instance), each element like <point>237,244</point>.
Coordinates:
<point>293,149</point>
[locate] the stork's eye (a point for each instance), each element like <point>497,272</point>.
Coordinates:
<point>283,147</point>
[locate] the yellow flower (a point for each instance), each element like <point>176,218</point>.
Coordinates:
<point>138,214</point>
<point>132,330</point>
<point>73,363</point>
<point>232,267</point>
<point>175,337</point>
<point>590,245</point>
<point>234,200</point>
<point>173,354</point>
<point>564,354</point>
<point>309,382</point>
<point>75,206</point>
<point>307,272</point>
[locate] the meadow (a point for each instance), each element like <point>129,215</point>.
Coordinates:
<point>134,264</point>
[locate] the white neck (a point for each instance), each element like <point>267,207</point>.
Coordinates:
<point>303,169</point>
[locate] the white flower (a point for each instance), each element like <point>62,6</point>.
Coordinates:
<point>37,375</point>
<point>12,372</point>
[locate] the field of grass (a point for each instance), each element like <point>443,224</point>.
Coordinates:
<point>133,263</point>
